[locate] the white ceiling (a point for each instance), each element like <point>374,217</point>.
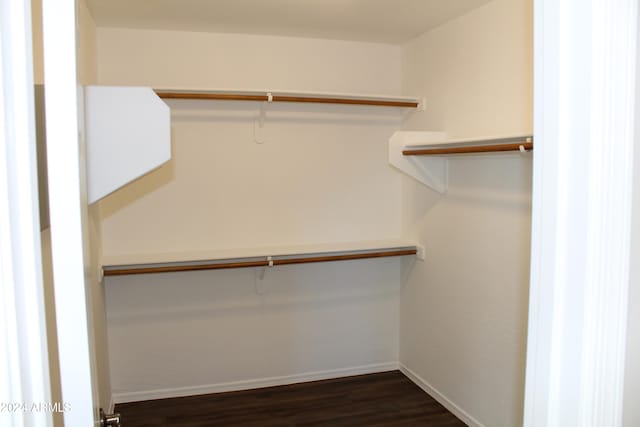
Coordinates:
<point>386,21</point>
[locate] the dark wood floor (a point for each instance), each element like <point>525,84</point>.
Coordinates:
<point>387,399</point>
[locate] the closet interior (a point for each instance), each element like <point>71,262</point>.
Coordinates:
<point>287,205</point>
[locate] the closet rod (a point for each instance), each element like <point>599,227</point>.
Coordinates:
<point>212,96</point>
<point>250,262</point>
<point>468,149</point>
<point>349,101</point>
<point>285,98</point>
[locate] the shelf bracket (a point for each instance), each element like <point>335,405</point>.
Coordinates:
<point>432,171</point>
<point>422,105</point>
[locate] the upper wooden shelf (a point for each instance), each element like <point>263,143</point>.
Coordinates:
<point>285,96</point>
<point>423,155</point>
<point>257,257</point>
<point>524,145</point>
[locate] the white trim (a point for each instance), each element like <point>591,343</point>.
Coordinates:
<point>112,406</point>
<point>441,398</point>
<point>135,396</point>
<point>24,365</point>
<point>585,54</point>
<point>67,203</point>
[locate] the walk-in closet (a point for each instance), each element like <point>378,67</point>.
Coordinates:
<point>284,191</point>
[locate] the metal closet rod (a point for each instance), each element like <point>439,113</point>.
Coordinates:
<point>284,98</point>
<point>250,262</point>
<point>469,149</point>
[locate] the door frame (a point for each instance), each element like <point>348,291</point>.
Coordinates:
<point>584,116</point>
<point>68,211</point>
<point>24,361</point>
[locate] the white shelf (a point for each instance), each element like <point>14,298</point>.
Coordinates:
<point>439,139</point>
<point>128,134</point>
<point>423,155</point>
<point>262,95</point>
<point>256,257</point>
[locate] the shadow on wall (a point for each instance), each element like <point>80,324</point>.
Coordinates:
<point>137,189</point>
<point>224,111</point>
<point>221,293</point>
<point>276,116</point>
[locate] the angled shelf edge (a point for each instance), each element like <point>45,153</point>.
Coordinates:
<point>265,257</point>
<point>290,96</point>
<point>128,134</point>
<point>423,155</point>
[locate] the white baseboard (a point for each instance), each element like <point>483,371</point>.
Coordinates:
<point>135,396</point>
<point>442,399</point>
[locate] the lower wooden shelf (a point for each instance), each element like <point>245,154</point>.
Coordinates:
<point>285,96</point>
<point>312,255</point>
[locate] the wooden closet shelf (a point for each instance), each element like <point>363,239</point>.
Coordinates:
<point>262,261</point>
<point>275,97</point>
<point>468,149</point>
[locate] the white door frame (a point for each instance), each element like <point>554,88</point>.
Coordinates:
<point>68,210</point>
<point>585,74</point>
<point>24,363</point>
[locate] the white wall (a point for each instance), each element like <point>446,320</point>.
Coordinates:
<point>320,176</point>
<point>464,311</point>
<point>215,331</point>
<point>205,60</point>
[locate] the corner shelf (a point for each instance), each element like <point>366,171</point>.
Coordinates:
<point>423,155</point>
<point>128,134</point>
<point>259,257</point>
<point>288,96</point>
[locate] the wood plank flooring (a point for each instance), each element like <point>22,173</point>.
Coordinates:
<point>386,399</point>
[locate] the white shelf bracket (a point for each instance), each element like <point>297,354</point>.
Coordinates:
<point>422,105</point>
<point>431,171</point>
<point>523,151</point>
